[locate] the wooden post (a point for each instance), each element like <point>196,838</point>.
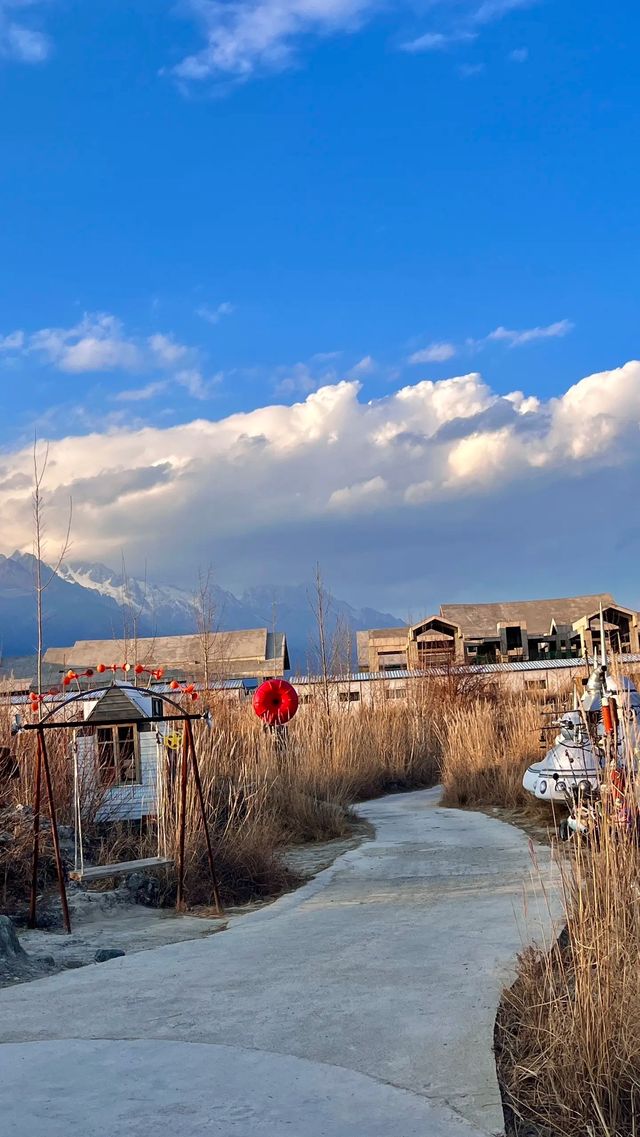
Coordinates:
<point>54,833</point>
<point>203,813</point>
<point>36,835</point>
<point>182,817</point>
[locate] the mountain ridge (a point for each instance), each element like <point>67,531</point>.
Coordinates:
<point>92,601</point>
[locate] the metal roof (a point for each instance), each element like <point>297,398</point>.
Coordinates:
<point>157,689</point>
<point>470,669</point>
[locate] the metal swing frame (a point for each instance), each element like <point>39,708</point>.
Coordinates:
<point>188,760</point>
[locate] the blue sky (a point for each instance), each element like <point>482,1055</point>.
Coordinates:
<point>209,208</point>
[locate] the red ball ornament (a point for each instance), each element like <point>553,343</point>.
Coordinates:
<point>138,669</point>
<point>159,673</point>
<point>194,695</point>
<point>174,685</point>
<point>66,681</point>
<point>275,702</point>
<point>89,672</point>
<point>101,668</point>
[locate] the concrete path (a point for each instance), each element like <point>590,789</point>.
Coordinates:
<point>360,1006</point>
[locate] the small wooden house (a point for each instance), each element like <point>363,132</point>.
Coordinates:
<point>121,753</point>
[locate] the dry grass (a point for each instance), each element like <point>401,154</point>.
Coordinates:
<point>569,1028</point>
<point>486,748</point>
<point>260,796</point>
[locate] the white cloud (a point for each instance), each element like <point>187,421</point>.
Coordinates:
<point>99,343</point>
<point>13,342</point>
<point>529,335</point>
<point>248,37</point>
<point>438,474</point>
<point>470,70</point>
<point>96,343</point>
<point>441,351</point>
<point>437,41</point>
<point>434,353</point>
<point>19,41</point>
<point>166,350</point>
<point>364,366</point>
<point>369,494</point>
<point>243,36</point>
<point>491,10</point>
<point>519,55</point>
<point>141,394</point>
<point>214,315</point>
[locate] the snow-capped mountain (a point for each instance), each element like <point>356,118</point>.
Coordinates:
<point>92,601</point>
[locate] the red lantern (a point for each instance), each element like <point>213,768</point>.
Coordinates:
<point>101,669</point>
<point>275,702</point>
<point>174,685</point>
<point>138,669</point>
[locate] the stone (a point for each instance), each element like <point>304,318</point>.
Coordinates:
<point>143,889</point>
<point>10,946</point>
<point>105,954</point>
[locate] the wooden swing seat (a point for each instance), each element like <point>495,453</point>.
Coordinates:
<point>101,872</point>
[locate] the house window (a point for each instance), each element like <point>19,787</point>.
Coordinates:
<point>118,755</point>
<point>397,693</point>
<point>349,696</point>
<point>535,684</point>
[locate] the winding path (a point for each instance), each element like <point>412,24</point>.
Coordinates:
<point>360,1006</point>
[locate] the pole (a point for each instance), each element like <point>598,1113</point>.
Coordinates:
<point>203,814</point>
<point>36,836</point>
<point>182,819</point>
<point>54,834</point>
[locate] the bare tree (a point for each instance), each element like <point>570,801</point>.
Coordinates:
<point>341,647</point>
<point>320,604</point>
<point>212,644</point>
<point>43,579</point>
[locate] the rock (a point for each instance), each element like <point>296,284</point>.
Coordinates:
<point>143,889</point>
<point>104,954</point>
<point>10,946</point>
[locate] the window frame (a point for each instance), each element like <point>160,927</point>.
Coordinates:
<point>116,765</point>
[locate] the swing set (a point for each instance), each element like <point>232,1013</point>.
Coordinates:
<point>188,765</point>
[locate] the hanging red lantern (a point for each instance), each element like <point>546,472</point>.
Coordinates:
<point>174,685</point>
<point>101,668</point>
<point>138,669</point>
<point>275,702</point>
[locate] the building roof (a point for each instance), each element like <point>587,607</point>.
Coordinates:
<point>479,620</point>
<point>115,705</point>
<point>226,651</point>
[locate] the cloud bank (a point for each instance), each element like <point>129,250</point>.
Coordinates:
<point>430,486</point>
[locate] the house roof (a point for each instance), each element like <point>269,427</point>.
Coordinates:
<point>115,705</point>
<point>482,619</point>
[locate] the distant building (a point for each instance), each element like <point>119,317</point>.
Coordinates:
<point>256,653</point>
<point>509,632</point>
